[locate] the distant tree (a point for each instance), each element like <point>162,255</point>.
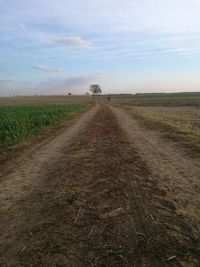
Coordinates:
<point>95,89</point>
<point>69,94</point>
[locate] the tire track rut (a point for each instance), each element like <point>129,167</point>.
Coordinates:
<point>100,205</point>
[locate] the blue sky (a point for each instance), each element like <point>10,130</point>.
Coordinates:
<point>55,47</point>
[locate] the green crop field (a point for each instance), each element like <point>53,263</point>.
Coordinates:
<point>18,123</point>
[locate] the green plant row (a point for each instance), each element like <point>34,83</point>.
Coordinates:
<point>18,123</point>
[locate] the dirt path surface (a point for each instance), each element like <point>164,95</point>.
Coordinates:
<point>25,175</point>
<point>178,173</point>
<point>90,199</point>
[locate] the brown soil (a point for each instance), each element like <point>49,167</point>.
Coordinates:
<point>177,172</point>
<point>90,198</point>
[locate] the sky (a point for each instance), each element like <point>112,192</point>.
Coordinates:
<point>126,46</point>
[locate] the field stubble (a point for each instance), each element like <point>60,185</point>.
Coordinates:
<point>181,124</point>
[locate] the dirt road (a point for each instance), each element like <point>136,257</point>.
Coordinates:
<point>178,173</point>
<point>102,193</point>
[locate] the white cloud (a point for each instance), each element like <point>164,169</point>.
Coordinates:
<point>112,15</point>
<point>160,35</point>
<point>47,68</point>
<point>68,82</point>
<point>74,41</point>
<point>99,72</point>
<point>74,84</point>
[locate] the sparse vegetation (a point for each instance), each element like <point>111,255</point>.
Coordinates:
<point>172,99</point>
<point>181,124</point>
<point>175,114</point>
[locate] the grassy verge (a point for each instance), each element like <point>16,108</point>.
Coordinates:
<point>184,132</point>
<point>19,123</point>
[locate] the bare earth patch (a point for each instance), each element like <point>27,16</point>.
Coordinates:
<point>95,202</point>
